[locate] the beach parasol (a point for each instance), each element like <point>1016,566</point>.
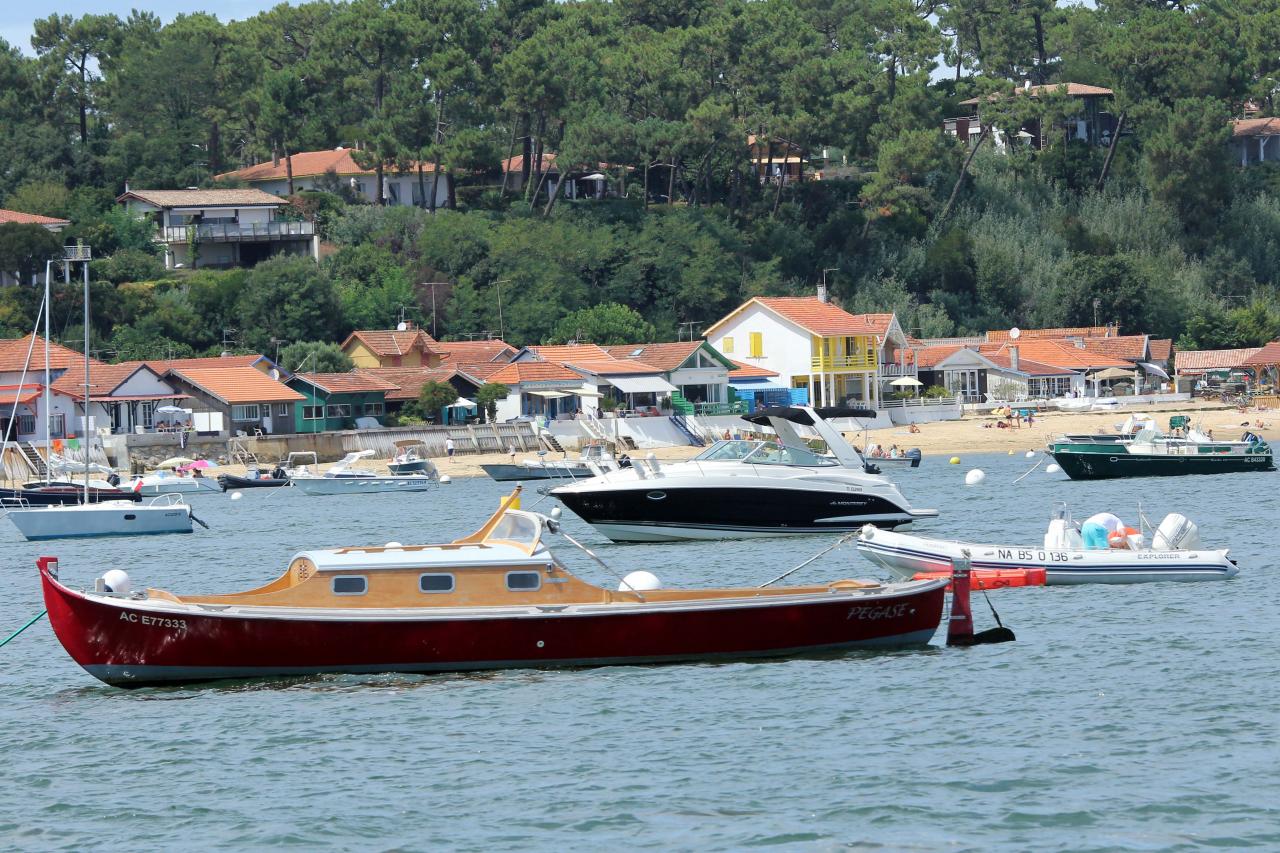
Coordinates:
<point>171,410</point>
<point>906,382</point>
<point>175,462</point>
<point>199,463</point>
<point>461,403</point>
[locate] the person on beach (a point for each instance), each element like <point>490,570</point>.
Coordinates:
<point>448,448</point>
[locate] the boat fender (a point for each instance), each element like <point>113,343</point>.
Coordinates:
<point>640,581</point>
<point>868,532</point>
<point>235,496</point>
<point>445,480</point>
<point>1053,468</point>
<point>116,581</point>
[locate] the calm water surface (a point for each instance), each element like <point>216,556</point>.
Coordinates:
<point>1124,718</point>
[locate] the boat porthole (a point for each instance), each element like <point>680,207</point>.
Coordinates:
<point>130,517</point>
<point>1114,459</point>
<point>656,496</point>
<point>541,644</point>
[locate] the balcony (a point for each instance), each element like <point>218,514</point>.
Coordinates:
<point>856,361</point>
<point>233,232</point>
<point>893,371</point>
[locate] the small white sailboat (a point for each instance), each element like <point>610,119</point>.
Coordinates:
<point>345,478</point>
<point>107,518</point>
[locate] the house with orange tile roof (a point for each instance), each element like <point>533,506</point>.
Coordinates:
<point>407,385</point>
<point>220,228</point>
<point>975,376</point>
<point>1265,364</point>
<point>123,397</point>
<point>260,363</point>
<point>337,167</point>
<point>1090,122</point>
<point>401,347</point>
<point>236,401</point>
<point>543,389</point>
<point>493,350</point>
<point>698,371</point>
<point>1200,368</point>
<point>823,353</point>
<point>22,363</point>
<point>9,278</point>
<point>337,401</point>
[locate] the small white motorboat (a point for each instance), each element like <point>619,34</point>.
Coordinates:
<point>344,478</point>
<point>169,483</point>
<point>411,457</point>
<point>165,514</point>
<point>1101,550</point>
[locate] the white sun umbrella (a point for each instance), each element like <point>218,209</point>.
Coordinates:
<point>170,410</point>
<point>594,176</point>
<point>461,403</point>
<point>175,461</point>
<point>906,382</point>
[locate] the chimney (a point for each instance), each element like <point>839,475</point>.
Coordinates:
<point>1013,357</point>
<point>822,293</point>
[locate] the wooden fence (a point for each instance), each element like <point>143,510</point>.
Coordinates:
<point>472,438</point>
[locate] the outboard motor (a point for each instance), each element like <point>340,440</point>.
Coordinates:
<point>1176,533</point>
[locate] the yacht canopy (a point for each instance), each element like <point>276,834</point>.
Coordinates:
<point>641,384</point>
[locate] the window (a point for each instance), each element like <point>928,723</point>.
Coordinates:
<point>58,425</point>
<point>726,346</point>
<point>757,344</point>
<point>523,581</point>
<point>349,585</point>
<point>435,583</point>
<point>146,414</point>
<point>373,409</point>
<point>26,424</point>
<point>282,410</point>
<point>245,413</point>
<point>338,410</point>
<point>313,413</point>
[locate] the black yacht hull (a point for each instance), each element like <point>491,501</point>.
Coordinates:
<point>61,494</point>
<point>231,481</point>
<point>658,512</point>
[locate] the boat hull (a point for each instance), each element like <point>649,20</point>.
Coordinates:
<point>712,512</point>
<point>1116,463</point>
<point>904,556</point>
<point>362,485</point>
<point>42,523</point>
<point>505,473</point>
<point>178,487</point>
<point>417,466</point>
<point>229,482</point>
<point>133,643</point>
<point>61,494</point>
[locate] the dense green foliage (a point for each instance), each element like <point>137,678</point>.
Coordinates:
<point>1169,237</point>
<point>487,397</point>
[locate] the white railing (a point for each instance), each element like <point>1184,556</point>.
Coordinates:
<point>894,370</point>
<point>920,403</point>
<point>234,231</point>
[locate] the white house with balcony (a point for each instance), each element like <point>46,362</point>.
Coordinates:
<point>221,228</point>
<point>817,348</point>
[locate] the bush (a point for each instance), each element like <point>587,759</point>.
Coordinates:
<point>934,392</point>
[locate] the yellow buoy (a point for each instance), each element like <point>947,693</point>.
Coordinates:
<point>955,460</point>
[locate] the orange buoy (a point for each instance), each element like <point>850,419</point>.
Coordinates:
<point>993,578</point>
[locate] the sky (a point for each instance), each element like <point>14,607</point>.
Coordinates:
<point>17,16</point>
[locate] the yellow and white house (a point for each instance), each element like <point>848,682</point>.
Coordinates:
<point>837,357</point>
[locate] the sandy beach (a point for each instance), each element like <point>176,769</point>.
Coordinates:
<point>946,438</point>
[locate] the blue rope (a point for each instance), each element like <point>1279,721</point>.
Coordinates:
<point>33,621</point>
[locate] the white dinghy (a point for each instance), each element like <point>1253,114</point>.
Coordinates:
<point>1101,550</point>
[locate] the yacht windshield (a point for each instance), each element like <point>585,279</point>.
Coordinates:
<point>517,528</point>
<point>773,453</point>
<point>728,451</point>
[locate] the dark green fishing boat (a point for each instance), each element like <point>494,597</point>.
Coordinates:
<point>1150,454</point>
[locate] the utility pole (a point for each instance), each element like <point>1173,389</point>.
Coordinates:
<point>502,329</point>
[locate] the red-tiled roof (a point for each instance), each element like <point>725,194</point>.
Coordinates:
<point>516,163</point>
<point>407,382</point>
<point>1026,365</point>
<point>221,362</point>
<point>103,379</point>
<point>19,218</point>
<point>750,371</point>
<point>612,366</point>
<point>1161,349</point>
<point>820,318</point>
<point>13,355</point>
<point>1130,347</point>
<point>664,356</point>
<point>1056,354</point>
<point>481,370</point>
<point>1075,90</point>
<point>533,371</point>
<point>1265,357</point>
<point>347,383</point>
<point>1255,127</point>
<point>475,351</point>
<point>928,357</point>
<point>238,385</point>
<point>391,342</point>
<point>565,352</point>
<point>1213,359</point>
<point>997,335</point>
<point>307,164</point>
<point>203,198</point>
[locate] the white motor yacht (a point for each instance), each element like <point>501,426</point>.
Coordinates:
<point>746,488</point>
<point>345,478</point>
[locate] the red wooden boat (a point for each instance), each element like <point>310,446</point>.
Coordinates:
<point>496,599</point>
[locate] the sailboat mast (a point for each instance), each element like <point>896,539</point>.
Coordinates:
<point>85,264</point>
<point>48,411</point>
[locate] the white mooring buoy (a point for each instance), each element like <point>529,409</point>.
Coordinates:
<point>974,477</point>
